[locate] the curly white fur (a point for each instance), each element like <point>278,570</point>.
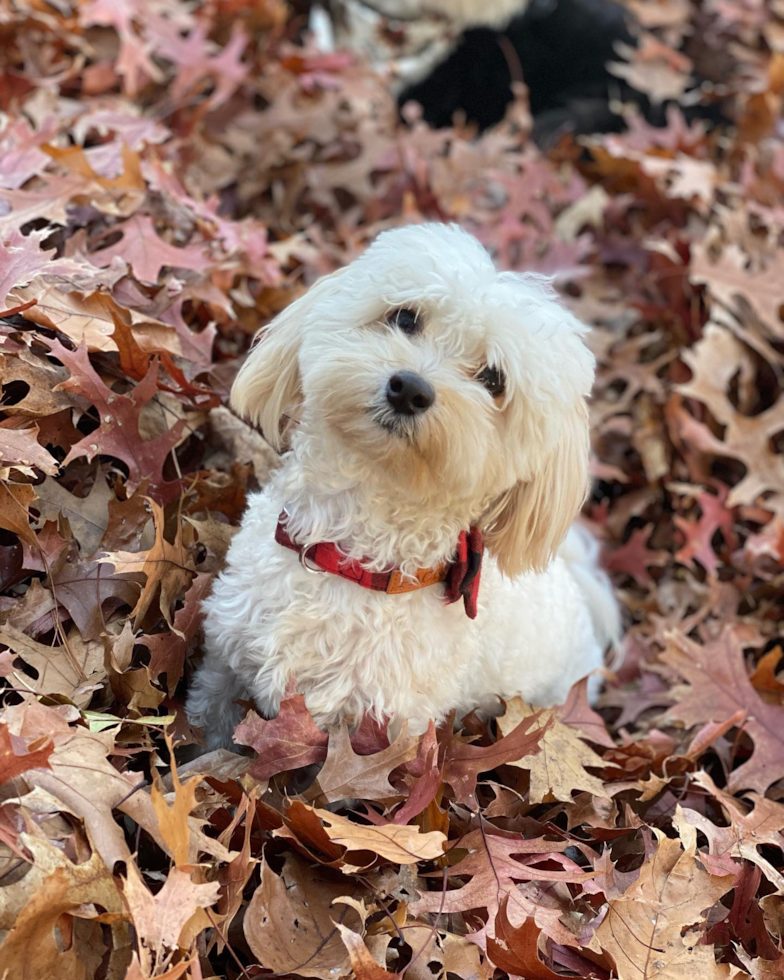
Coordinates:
<point>516,465</point>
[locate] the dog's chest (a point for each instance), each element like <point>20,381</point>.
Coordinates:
<point>354,623</point>
<point>350,650</point>
<point>346,647</point>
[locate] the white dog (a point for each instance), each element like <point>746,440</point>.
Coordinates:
<point>438,401</point>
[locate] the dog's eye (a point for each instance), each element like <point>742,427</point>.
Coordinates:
<point>405,320</point>
<point>494,380</point>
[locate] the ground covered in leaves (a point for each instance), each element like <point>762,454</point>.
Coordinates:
<point>170,177</point>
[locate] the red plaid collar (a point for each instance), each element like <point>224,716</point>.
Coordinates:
<point>461,575</point>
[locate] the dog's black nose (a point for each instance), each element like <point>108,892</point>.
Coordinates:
<point>409,394</point>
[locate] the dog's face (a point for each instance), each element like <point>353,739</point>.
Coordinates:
<point>421,366</point>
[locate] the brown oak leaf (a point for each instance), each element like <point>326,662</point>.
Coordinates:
<point>495,862</point>
<point>87,516</point>
<point>84,587</point>
<point>160,919</point>
<point>167,566</point>
<point>71,669</point>
<point>728,278</point>
<point>719,687</point>
<point>346,775</point>
<point>516,950</point>
<point>15,500</point>
<point>173,822</point>
<point>88,318</point>
<point>748,829</point>
<point>236,875</point>
<point>578,714</point>
<point>146,252</point>
<point>363,963</point>
<point>40,378</point>
<point>290,921</point>
<point>558,766</point>
<point>58,888</point>
<point>654,929</point>
<point>714,362</point>
<point>401,844</point>
<point>463,762</point>
<point>290,740</point>
<point>20,447</point>
<point>634,558</point>
<point>118,433</point>
<point>699,534</point>
<point>168,650</point>
<point>765,677</point>
<point>13,762</point>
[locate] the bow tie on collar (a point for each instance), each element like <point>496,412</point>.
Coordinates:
<point>461,575</point>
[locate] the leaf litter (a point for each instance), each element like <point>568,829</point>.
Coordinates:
<point>173,175</point>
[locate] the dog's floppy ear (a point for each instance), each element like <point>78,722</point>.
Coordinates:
<point>267,386</point>
<point>527,523</point>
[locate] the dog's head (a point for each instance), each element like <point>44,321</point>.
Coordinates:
<point>422,367</point>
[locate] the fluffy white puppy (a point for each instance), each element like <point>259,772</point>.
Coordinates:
<point>434,395</point>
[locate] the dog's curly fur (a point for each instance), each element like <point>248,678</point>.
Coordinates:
<point>397,491</point>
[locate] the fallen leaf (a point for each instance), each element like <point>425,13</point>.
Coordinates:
<point>146,252</point>
<point>765,679</point>
<point>15,500</point>
<point>655,928</point>
<point>699,534</point>
<point>346,774</point>
<point>235,876</point>
<point>290,740</point>
<point>516,950</point>
<point>40,378</point>
<point>71,669</point>
<point>577,713</point>
<point>84,586</point>
<point>167,566</point>
<point>169,650</point>
<point>464,762</point>
<point>31,950</point>
<point>362,962</point>
<point>635,558</point>
<point>89,786</point>
<point>160,919</point>
<point>714,363</point>
<point>747,830</point>
<point>495,862</point>
<point>557,767</point>
<point>729,278</point>
<point>87,516</point>
<point>21,447</point>
<point>173,820</point>
<point>13,762</point>
<point>24,259</point>
<point>719,687</point>
<point>88,318</point>
<point>118,433</point>
<point>289,922</point>
<point>404,845</point>
<point>48,200</point>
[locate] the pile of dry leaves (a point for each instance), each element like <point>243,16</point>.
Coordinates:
<point>173,174</point>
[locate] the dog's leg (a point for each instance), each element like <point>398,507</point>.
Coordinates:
<point>210,704</point>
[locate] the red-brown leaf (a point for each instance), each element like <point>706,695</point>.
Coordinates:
<point>14,759</point>
<point>291,740</point>
<point>463,762</point>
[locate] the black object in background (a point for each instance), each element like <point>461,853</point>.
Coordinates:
<point>561,49</point>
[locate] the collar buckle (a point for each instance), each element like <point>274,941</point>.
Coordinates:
<point>309,565</point>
